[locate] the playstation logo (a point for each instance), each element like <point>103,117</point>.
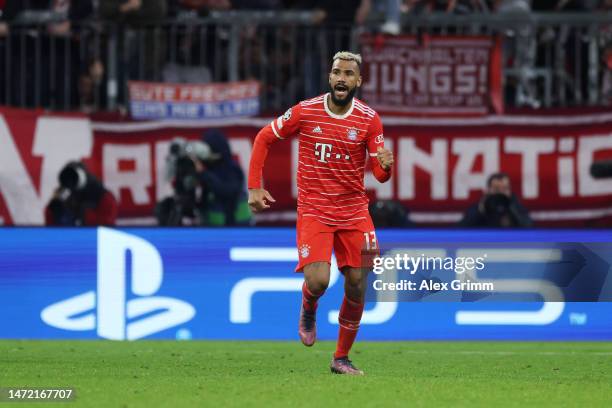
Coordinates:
<point>107,309</point>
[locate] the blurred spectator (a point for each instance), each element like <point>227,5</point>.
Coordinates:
<point>522,50</point>
<point>606,86</point>
<point>389,213</point>
<point>394,9</point>
<point>80,199</point>
<point>606,55</point>
<point>415,6</point>
<point>498,207</point>
<point>333,22</point>
<point>564,5</point>
<point>194,50</point>
<point>91,83</point>
<point>209,186</point>
<point>134,12</point>
<point>201,7</point>
<point>337,13</point>
<point>256,4</point>
<point>571,49</point>
<point>456,6</point>
<point>141,45</point>
<point>3,25</point>
<point>44,51</point>
<point>4,30</point>
<point>337,18</point>
<point>393,16</point>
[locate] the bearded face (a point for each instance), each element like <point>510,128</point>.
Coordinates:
<point>344,79</point>
<point>342,95</point>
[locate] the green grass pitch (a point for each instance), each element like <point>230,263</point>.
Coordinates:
<point>286,374</point>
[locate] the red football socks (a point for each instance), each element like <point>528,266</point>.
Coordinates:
<point>350,316</point>
<point>309,300</point>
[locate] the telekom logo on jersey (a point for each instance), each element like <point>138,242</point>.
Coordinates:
<point>324,151</point>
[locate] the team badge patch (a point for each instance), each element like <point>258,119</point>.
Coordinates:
<point>305,250</point>
<point>352,134</point>
<point>287,115</point>
<point>379,139</point>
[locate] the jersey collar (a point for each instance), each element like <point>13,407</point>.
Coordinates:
<point>332,114</point>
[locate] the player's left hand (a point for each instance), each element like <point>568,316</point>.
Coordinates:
<point>385,158</point>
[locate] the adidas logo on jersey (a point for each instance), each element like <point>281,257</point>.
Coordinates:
<point>317,130</point>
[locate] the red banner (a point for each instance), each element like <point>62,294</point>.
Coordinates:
<point>441,164</point>
<point>433,75</point>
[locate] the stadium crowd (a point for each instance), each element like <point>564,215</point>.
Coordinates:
<point>58,53</point>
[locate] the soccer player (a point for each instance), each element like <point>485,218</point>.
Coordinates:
<point>337,133</point>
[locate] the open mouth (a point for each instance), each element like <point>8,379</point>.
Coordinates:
<point>341,91</point>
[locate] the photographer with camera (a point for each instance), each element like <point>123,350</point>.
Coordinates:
<point>209,186</point>
<point>498,207</point>
<point>80,199</point>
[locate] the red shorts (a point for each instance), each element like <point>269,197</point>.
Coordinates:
<point>316,240</point>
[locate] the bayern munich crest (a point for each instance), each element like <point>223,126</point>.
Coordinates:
<point>352,134</point>
<point>305,250</point>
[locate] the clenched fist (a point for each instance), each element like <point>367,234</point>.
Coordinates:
<point>385,158</point>
<point>258,199</point>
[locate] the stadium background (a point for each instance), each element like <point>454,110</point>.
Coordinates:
<point>69,92</point>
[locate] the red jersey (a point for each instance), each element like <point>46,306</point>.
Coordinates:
<point>333,150</point>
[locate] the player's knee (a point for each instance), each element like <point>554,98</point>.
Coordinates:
<point>317,277</point>
<point>317,289</point>
<point>317,285</point>
<point>354,279</point>
<point>356,285</point>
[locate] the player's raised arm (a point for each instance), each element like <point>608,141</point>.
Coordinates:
<point>282,127</point>
<point>381,158</point>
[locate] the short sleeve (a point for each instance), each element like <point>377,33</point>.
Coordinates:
<point>288,124</point>
<point>375,138</point>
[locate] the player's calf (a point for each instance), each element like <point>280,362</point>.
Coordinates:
<point>316,279</point>
<point>307,328</point>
